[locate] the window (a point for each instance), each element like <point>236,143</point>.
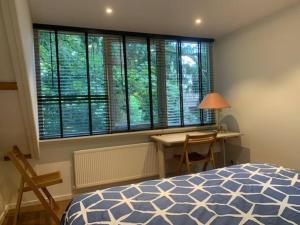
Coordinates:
<point>99,82</point>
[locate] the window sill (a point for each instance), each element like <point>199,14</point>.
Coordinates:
<point>128,134</point>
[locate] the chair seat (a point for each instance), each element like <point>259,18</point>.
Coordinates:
<point>45,180</point>
<point>193,157</point>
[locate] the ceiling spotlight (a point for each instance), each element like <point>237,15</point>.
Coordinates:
<point>109,10</point>
<point>198,21</point>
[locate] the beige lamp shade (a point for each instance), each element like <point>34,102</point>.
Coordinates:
<point>213,101</point>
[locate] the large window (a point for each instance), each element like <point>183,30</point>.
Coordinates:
<point>99,82</point>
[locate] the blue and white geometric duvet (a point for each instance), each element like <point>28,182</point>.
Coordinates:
<point>244,194</point>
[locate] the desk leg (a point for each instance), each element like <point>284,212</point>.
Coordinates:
<point>224,151</point>
<point>161,160</point>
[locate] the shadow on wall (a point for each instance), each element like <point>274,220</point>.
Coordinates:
<point>236,153</point>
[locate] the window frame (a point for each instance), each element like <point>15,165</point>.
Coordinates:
<point>123,34</point>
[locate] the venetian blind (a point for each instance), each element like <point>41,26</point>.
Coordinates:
<point>97,83</point>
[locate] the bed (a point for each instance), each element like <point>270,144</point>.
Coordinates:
<point>242,194</point>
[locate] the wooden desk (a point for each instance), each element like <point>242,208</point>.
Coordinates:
<point>179,138</point>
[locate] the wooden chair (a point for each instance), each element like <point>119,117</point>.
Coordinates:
<point>30,181</point>
<point>189,159</point>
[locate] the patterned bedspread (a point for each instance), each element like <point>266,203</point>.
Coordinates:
<point>243,194</point>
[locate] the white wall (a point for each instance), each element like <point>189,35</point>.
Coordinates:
<point>18,24</point>
<point>258,71</point>
<point>11,126</point>
<point>27,44</point>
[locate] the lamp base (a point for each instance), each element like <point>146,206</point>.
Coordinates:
<point>218,112</point>
<point>220,128</point>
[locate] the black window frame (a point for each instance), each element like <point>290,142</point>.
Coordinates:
<point>124,34</point>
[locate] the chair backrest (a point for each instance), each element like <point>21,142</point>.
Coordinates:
<point>201,139</point>
<point>209,138</point>
<point>19,160</point>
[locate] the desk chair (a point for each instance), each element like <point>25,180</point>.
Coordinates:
<point>190,158</point>
<point>30,181</point>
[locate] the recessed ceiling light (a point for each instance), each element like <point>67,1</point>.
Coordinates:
<point>198,21</point>
<point>109,10</point>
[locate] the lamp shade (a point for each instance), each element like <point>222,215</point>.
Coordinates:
<point>213,101</point>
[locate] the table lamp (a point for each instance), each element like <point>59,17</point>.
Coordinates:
<point>214,101</point>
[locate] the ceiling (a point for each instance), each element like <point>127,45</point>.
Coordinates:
<point>176,17</point>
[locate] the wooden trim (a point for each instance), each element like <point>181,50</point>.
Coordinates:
<point>8,86</point>
<point>27,156</point>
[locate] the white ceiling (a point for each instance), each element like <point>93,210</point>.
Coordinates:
<point>176,17</point>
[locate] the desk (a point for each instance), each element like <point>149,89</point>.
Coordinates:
<point>179,138</point>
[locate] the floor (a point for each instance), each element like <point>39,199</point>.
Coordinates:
<point>33,215</point>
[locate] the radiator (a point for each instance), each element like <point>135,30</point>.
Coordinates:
<point>114,164</point>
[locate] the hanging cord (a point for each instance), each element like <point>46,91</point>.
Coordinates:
<point>51,62</point>
<point>122,60</point>
<point>93,54</point>
<point>178,60</point>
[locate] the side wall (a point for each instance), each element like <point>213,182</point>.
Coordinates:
<point>12,130</point>
<point>258,71</point>
<point>17,114</point>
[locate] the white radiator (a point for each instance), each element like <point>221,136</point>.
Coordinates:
<point>114,164</point>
